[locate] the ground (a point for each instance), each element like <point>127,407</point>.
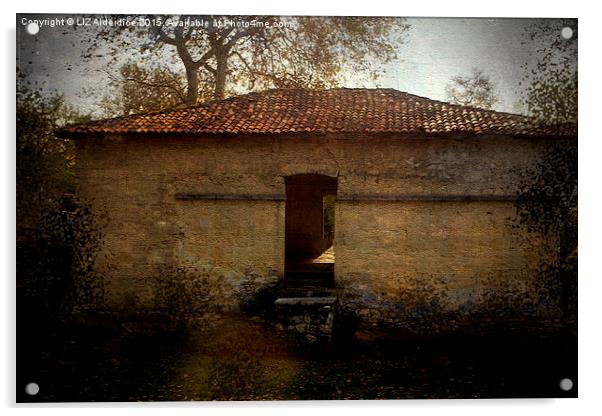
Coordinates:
<point>241,357</point>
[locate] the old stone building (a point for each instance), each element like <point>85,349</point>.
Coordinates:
<point>370,194</point>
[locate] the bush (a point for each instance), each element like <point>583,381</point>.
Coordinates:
<point>547,208</point>
<point>182,292</point>
<point>56,272</point>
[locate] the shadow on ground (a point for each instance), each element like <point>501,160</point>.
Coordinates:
<point>242,358</point>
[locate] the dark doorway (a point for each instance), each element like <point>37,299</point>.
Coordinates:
<point>310,203</point>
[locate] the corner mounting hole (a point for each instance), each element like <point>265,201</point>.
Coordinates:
<point>566,32</point>
<point>32,28</point>
<point>566,384</point>
<point>32,389</point>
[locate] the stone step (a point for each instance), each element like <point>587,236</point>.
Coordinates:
<point>306,291</point>
<point>309,279</point>
<point>308,318</point>
<point>291,282</point>
<point>317,301</point>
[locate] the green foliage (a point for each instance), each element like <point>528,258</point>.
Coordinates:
<point>551,85</point>
<point>547,208</point>
<point>423,297</point>
<point>476,90</point>
<point>257,299</point>
<point>56,273</point>
<point>58,236</point>
<point>428,305</point>
<point>275,52</point>
<point>140,89</point>
<point>44,163</point>
<point>182,292</point>
<point>328,210</point>
<point>547,202</point>
<point>552,99</point>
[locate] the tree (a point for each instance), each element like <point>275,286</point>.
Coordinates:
<point>476,90</point>
<point>547,201</point>
<point>550,95</point>
<point>44,163</point>
<point>58,236</point>
<point>139,90</point>
<point>230,53</point>
<point>547,208</point>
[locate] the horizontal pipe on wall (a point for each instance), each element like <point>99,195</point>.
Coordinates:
<point>229,197</point>
<point>345,198</point>
<point>442,198</point>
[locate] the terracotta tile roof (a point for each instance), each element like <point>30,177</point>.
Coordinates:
<point>371,111</point>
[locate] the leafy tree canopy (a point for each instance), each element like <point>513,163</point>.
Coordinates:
<point>232,55</point>
<point>475,90</point>
<point>550,93</point>
<point>44,163</point>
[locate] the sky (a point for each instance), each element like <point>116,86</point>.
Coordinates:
<point>439,49</point>
<point>435,50</point>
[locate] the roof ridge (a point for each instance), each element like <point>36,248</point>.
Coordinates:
<point>326,110</point>
<point>311,90</point>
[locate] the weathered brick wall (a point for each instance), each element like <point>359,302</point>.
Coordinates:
<point>380,245</point>
<point>461,255</point>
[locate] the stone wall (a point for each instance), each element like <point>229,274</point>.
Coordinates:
<point>310,320</point>
<point>397,222</point>
<point>403,257</point>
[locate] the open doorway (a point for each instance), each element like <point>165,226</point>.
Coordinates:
<point>310,210</point>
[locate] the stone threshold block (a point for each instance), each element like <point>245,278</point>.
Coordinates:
<point>309,319</point>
